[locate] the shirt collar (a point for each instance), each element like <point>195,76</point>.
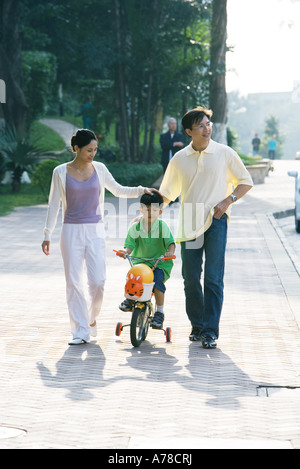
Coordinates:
<point>154,229</point>
<point>209,149</point>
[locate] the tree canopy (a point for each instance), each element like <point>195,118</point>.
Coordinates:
<point>135,60</point>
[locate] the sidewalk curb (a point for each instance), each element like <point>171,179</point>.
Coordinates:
<point>285,260</point>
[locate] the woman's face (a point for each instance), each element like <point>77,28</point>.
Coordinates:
<point>88,152</point>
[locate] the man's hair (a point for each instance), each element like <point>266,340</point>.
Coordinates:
<point>155,198</point>
<point>195,116</point>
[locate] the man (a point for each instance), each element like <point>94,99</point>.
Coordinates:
<point>255,144</point>
<point>170,142</point>
<point>205,174</point>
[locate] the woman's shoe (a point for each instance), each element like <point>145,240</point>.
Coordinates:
<point>77,341</point>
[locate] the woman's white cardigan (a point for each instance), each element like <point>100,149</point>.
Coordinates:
<point>58,193</point>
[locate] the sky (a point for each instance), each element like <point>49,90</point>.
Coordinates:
<point>265,35</point>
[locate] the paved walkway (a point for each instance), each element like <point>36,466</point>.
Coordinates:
<point>63,128</point>
<point>106,394</point>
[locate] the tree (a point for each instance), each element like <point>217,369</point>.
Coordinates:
<point>272,129</point>
<point>218,96</point>
<point>15,109</point>
<point>155,55</point>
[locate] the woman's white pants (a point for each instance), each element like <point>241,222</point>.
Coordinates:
<point>83,245</point>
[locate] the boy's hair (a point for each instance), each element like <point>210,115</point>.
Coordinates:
<point>155,198</point>
<point>195,116</point>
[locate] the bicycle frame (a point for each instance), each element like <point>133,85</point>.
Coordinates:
<point>142,312</point>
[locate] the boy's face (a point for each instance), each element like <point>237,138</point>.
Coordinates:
<point>150,212</point>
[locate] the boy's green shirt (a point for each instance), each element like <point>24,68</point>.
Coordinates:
<point>150,245</point>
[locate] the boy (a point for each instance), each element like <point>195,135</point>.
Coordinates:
<point>151,238</point>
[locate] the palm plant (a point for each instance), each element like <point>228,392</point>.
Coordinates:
<point>20,155</point>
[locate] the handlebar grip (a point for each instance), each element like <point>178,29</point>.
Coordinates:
<point>168,258</point>
<point>118,253</point>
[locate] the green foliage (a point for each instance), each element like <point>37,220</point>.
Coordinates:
<point>250,160</point>
<point>42,176</point>
<point>272,129</point>
<point>39,70</point>
<point>159,67</point>
<point>48,139</point>
<point>2,166</point>
<point>28,195</point>
<point>135,174</point>
<point>20,155</point>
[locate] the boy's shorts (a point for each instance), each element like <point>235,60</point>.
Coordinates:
<point>159,278</point>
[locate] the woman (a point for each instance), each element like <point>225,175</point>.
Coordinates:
<point>80,186</point>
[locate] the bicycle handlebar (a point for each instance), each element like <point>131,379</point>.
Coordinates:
<point>161,258</point>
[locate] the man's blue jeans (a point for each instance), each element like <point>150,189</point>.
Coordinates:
<point>204,307</point>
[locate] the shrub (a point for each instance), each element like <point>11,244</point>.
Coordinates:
<point>43,174</point>
<point>250,160</point>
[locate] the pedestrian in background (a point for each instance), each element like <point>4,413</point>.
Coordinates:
<point>255,145</point>
<point>170,142</point>
<point>272,147</point>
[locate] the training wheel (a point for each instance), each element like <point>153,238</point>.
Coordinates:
<point>119,329</point>
<point>168,334</point>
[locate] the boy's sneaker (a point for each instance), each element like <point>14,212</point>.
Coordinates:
<point>158,320</point>
<point>126,305</point>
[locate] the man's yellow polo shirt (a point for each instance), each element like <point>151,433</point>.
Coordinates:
<point>203,179</point>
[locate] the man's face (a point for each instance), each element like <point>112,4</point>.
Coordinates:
<point>201,132</point>
<point>172,125</point>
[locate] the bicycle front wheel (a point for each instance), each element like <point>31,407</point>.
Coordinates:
<point>138,327</point>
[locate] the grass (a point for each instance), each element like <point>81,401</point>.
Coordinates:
<point>27,196</point>
<point>48,140</point>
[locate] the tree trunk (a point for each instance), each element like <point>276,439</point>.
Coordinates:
<point>121,99</point>
<point>218,96</point>
<point>153,21</point>
<point>15,109</point>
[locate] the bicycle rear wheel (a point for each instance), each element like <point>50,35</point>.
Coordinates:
<point>138,326</point>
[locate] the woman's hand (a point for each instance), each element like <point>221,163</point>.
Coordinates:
<point>46,247</point>
<point>150,191</point>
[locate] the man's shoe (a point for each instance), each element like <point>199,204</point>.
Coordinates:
<point>158,320</point>
<point>127,305</point>
<point>208,342</point>
<point>195,334</point>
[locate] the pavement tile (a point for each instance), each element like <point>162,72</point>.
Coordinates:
<point>107,394</point>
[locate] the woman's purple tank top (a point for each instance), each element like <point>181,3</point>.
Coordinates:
<point>82,200</point>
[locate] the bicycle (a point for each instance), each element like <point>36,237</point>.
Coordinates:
<point>141,293</point>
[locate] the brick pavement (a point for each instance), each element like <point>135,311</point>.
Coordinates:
<point>107,394</point>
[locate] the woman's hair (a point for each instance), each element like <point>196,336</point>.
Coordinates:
<point>195,116</point>
<point>82,138</point>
